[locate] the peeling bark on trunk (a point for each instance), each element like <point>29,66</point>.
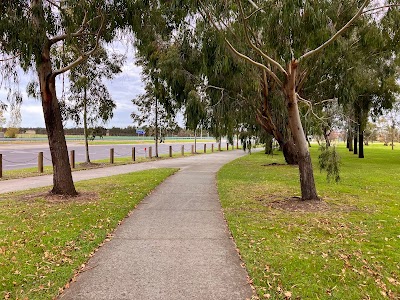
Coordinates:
<point>307,183</point>
<point>62,176</point>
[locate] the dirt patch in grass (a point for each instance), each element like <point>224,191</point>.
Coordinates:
<point>295,204</point>
<point>52,198</point>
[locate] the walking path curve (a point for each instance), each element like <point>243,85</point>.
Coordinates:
<point>175,244</point>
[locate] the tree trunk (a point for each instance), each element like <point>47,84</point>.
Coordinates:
<point>308,141</point>
<point>355,141</point>
<point>62,176</point>
<point>361,143</point>
<point>268,145</point>
<point>287,146</point>
<point>393,137</point>
<point>350,140</point>
<point>289,152</point>
<point>267,122</point>
<point>326,136</point>
<point>85,129</point>
<point>307,183</point>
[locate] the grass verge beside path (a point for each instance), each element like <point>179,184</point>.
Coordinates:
<point>44,240</point>
<point>347,247</point>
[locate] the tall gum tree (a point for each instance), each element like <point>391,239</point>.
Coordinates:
<point>89,100</point>
<point>35,32</point>
<point>303,31</point>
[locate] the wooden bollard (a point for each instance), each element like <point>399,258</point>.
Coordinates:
<point>219,146</point>
<point>72,159</point>
<point>183,150</point>
<point>205,148</point>
<point>227,146</point>
<point>133,154</point>
<point>111,155</point>
<point>212,148</point>
<point>40,162</point>
<point>1,165</point>
<point>170,151</point>
<point>192,149</point>
<point>150,153</point>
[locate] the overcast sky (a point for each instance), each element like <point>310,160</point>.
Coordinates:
<point>123,89</point>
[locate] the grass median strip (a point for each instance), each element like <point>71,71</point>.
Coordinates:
<point>45,240</point>
<point>345,247</point>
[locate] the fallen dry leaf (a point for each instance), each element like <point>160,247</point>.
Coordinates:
<point>288,295</point>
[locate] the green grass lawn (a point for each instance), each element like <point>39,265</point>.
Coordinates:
<point>44,241</point>
<point>348,247</point>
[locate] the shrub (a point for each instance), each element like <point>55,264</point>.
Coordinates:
<point>11,132</point>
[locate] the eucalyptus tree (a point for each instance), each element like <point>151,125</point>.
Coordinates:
<point>150,109</point>
<point>34,33</point>
<point>285,39</point>
<point>89,100</point>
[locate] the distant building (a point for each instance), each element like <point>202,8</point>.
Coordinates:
<point>30,131</point>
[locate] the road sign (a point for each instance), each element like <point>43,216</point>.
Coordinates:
<point>140,131</point>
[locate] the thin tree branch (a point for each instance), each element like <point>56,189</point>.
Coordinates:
<point>253,13</point>
<point>84,55</point>
<point>75,34</point>
<point>54,4</point>
<point>326,100</point>
<point>380,7</point>
<point>253,4</point>
<point>303,77</point>
<point>272,74</point>
<point>207,16</point>
<point>269,59</point>
<point>310,109</point>
<point>337,34</point>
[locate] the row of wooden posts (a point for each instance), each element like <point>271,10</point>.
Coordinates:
<point>150,155</point>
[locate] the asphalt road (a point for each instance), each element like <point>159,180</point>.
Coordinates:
<point>18,156</point>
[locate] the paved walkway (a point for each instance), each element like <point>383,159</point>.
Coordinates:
<point>175,245</point>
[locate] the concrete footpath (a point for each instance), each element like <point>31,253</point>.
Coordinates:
<point>175,244</point>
